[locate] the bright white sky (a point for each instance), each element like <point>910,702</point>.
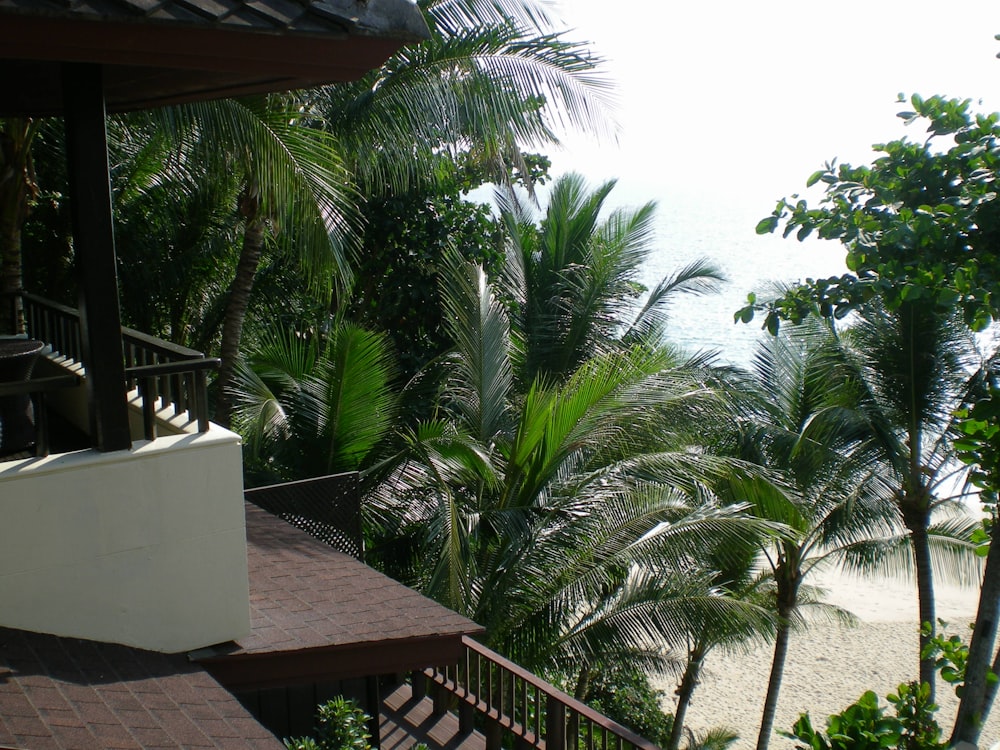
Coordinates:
<point>751,97</point>
<point>727,106</point>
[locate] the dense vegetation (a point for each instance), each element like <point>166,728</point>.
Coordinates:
<point>536,455</point>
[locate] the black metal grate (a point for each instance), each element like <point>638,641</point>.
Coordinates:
<point>328,508</point>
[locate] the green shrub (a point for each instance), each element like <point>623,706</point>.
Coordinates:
<point>627,697</point>
<point>865,726</point>
<point>340,725</point>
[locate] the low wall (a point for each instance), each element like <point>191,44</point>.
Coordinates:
<point>145,547</point>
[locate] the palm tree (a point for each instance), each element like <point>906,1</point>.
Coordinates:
<point>314,403</point>
<point>567,519</point>
<point>915,368</point>
<point>574,280</point>
<point>734,574</point>
<point>173,220</point>
<point>494,79</point>
<point>803,423</point>
<point>292,179</point>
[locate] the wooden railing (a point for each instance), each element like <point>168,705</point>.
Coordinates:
<point>511,700</point>
<point>167,375</point>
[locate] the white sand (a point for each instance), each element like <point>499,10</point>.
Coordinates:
<point>830,666</point>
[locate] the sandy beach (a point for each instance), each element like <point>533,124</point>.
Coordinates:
<point>829,665</point>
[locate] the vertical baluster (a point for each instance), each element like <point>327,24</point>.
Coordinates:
<point>466,710</point>
<point>201,404</point>
<point>179,393</point>
<point>74,340</point>
<point>495,689</point>
<point>573,730</point>
<point>148,401</point>
<point>538,715</point>
<point>511,698</point>
<point>525,718</point>
<point>418,684</point>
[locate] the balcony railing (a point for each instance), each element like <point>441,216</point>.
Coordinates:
<point>166,375</point>
<point>511,700</point>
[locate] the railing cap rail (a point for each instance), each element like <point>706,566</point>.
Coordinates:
<point>159,345</point>
<point>173,368</point>
<point>151,342</point>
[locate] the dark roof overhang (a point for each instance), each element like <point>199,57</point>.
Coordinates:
<point>158,52</point>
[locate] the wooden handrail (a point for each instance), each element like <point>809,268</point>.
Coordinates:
<point>186,380</point>
<point>167,373</point>
<point>515,701</point>
<point>173,368</point>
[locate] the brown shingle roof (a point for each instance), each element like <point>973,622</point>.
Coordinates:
<point>68,693</point>
<point>317,613</point>
<point>296,16</point>
<point>304,594</point>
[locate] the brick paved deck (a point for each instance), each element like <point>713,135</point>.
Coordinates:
<point>317,614</point>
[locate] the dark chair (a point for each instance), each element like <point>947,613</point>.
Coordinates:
<point>17,413</point>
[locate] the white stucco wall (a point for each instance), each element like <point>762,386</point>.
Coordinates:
<point>145,547</point>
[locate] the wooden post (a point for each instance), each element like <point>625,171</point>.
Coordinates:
<point>441,699</point>
<point>466,718</point>
<point>419,684</point>
<point>94,248</point>
<point>374,700</point>
<point>555,724</point>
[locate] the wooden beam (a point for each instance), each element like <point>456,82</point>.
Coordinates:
<point>94,250</point>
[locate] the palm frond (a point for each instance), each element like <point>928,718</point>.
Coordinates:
<point>482,373</point>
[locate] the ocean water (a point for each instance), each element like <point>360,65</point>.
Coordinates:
<point>692,226</point>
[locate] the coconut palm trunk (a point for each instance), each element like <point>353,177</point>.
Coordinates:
<point>917,519</point>
<point>787,580</point>
<point>236,310</point>
<point>685,691</point>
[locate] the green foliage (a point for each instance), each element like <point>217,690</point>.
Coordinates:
<point>950,654</point>
<point>864,725</point>
<point>398,271</point>
<point>978,446</point>
<point>340,725</point>
<point>572,278</point>
<point>626,696</point>
<point>915,711</point>
<point>920,224</point>
<point>494,79</point>
<point>310,403</point>
<point>524,504</point>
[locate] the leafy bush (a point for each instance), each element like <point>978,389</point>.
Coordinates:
<point>627,697</point>
<point>865,726</point>
<point>340,725</point>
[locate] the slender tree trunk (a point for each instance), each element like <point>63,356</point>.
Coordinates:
<point>582,690</point>
<point>236,311</point>
<point>788,580</point>
<point>917,518</point>
<point>991,687</point>
<point>973,706</point>
<point>17,190</point>
<point>685,690</point>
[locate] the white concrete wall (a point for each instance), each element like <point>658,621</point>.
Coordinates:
<point>144,547</point>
